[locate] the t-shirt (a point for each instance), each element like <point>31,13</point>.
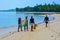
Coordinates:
<point>32,20</point>
<point>26,21</point>
<point>19,21</point>
<point>46,19</point>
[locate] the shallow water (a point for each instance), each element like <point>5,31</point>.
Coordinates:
<point>11,18</point>
<point>8,19</point>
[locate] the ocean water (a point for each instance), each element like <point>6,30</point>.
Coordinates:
<point>8,19</point>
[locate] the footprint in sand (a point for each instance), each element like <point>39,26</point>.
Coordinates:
<point>52,36</point>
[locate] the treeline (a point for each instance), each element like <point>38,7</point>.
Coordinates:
<point>41,8</point>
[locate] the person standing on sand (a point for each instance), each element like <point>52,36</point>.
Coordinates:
<point>32,22</point>
<point>46,19</point>
<point>26,23</point>
<point>19,24</point>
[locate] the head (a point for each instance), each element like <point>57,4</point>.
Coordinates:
<point>46,15</point>
<point>31,16</point>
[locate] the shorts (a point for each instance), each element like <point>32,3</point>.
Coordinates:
<point>32,24</point>
<point>46,22</point>
<point>25,25</point>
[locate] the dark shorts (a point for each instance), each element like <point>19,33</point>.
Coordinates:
<point>46,22</point>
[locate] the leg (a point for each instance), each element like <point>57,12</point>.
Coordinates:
<point>18,28</point>
<point>27,27</point>
<point>24,28</point>
<point>46,25</point>
<point>21,28</point>
<point>31,28</point>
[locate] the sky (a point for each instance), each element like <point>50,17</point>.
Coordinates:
<point>12,4</point>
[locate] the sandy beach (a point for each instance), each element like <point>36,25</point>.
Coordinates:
<point>52,32</point>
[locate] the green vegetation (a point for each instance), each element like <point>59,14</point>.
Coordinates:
<point>41,8</point>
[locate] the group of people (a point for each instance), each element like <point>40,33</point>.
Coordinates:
<point>32,22</point>
<point>25,23</point>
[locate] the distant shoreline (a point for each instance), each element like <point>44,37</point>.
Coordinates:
<point>39,12</point>
<point>30,12</point>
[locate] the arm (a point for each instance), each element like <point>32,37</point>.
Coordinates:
<point>44,19</point>
<point>48,19</point>
<point>33,21</point>
<point>30,21</point>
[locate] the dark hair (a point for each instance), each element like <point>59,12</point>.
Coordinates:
<point>31,16</point>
